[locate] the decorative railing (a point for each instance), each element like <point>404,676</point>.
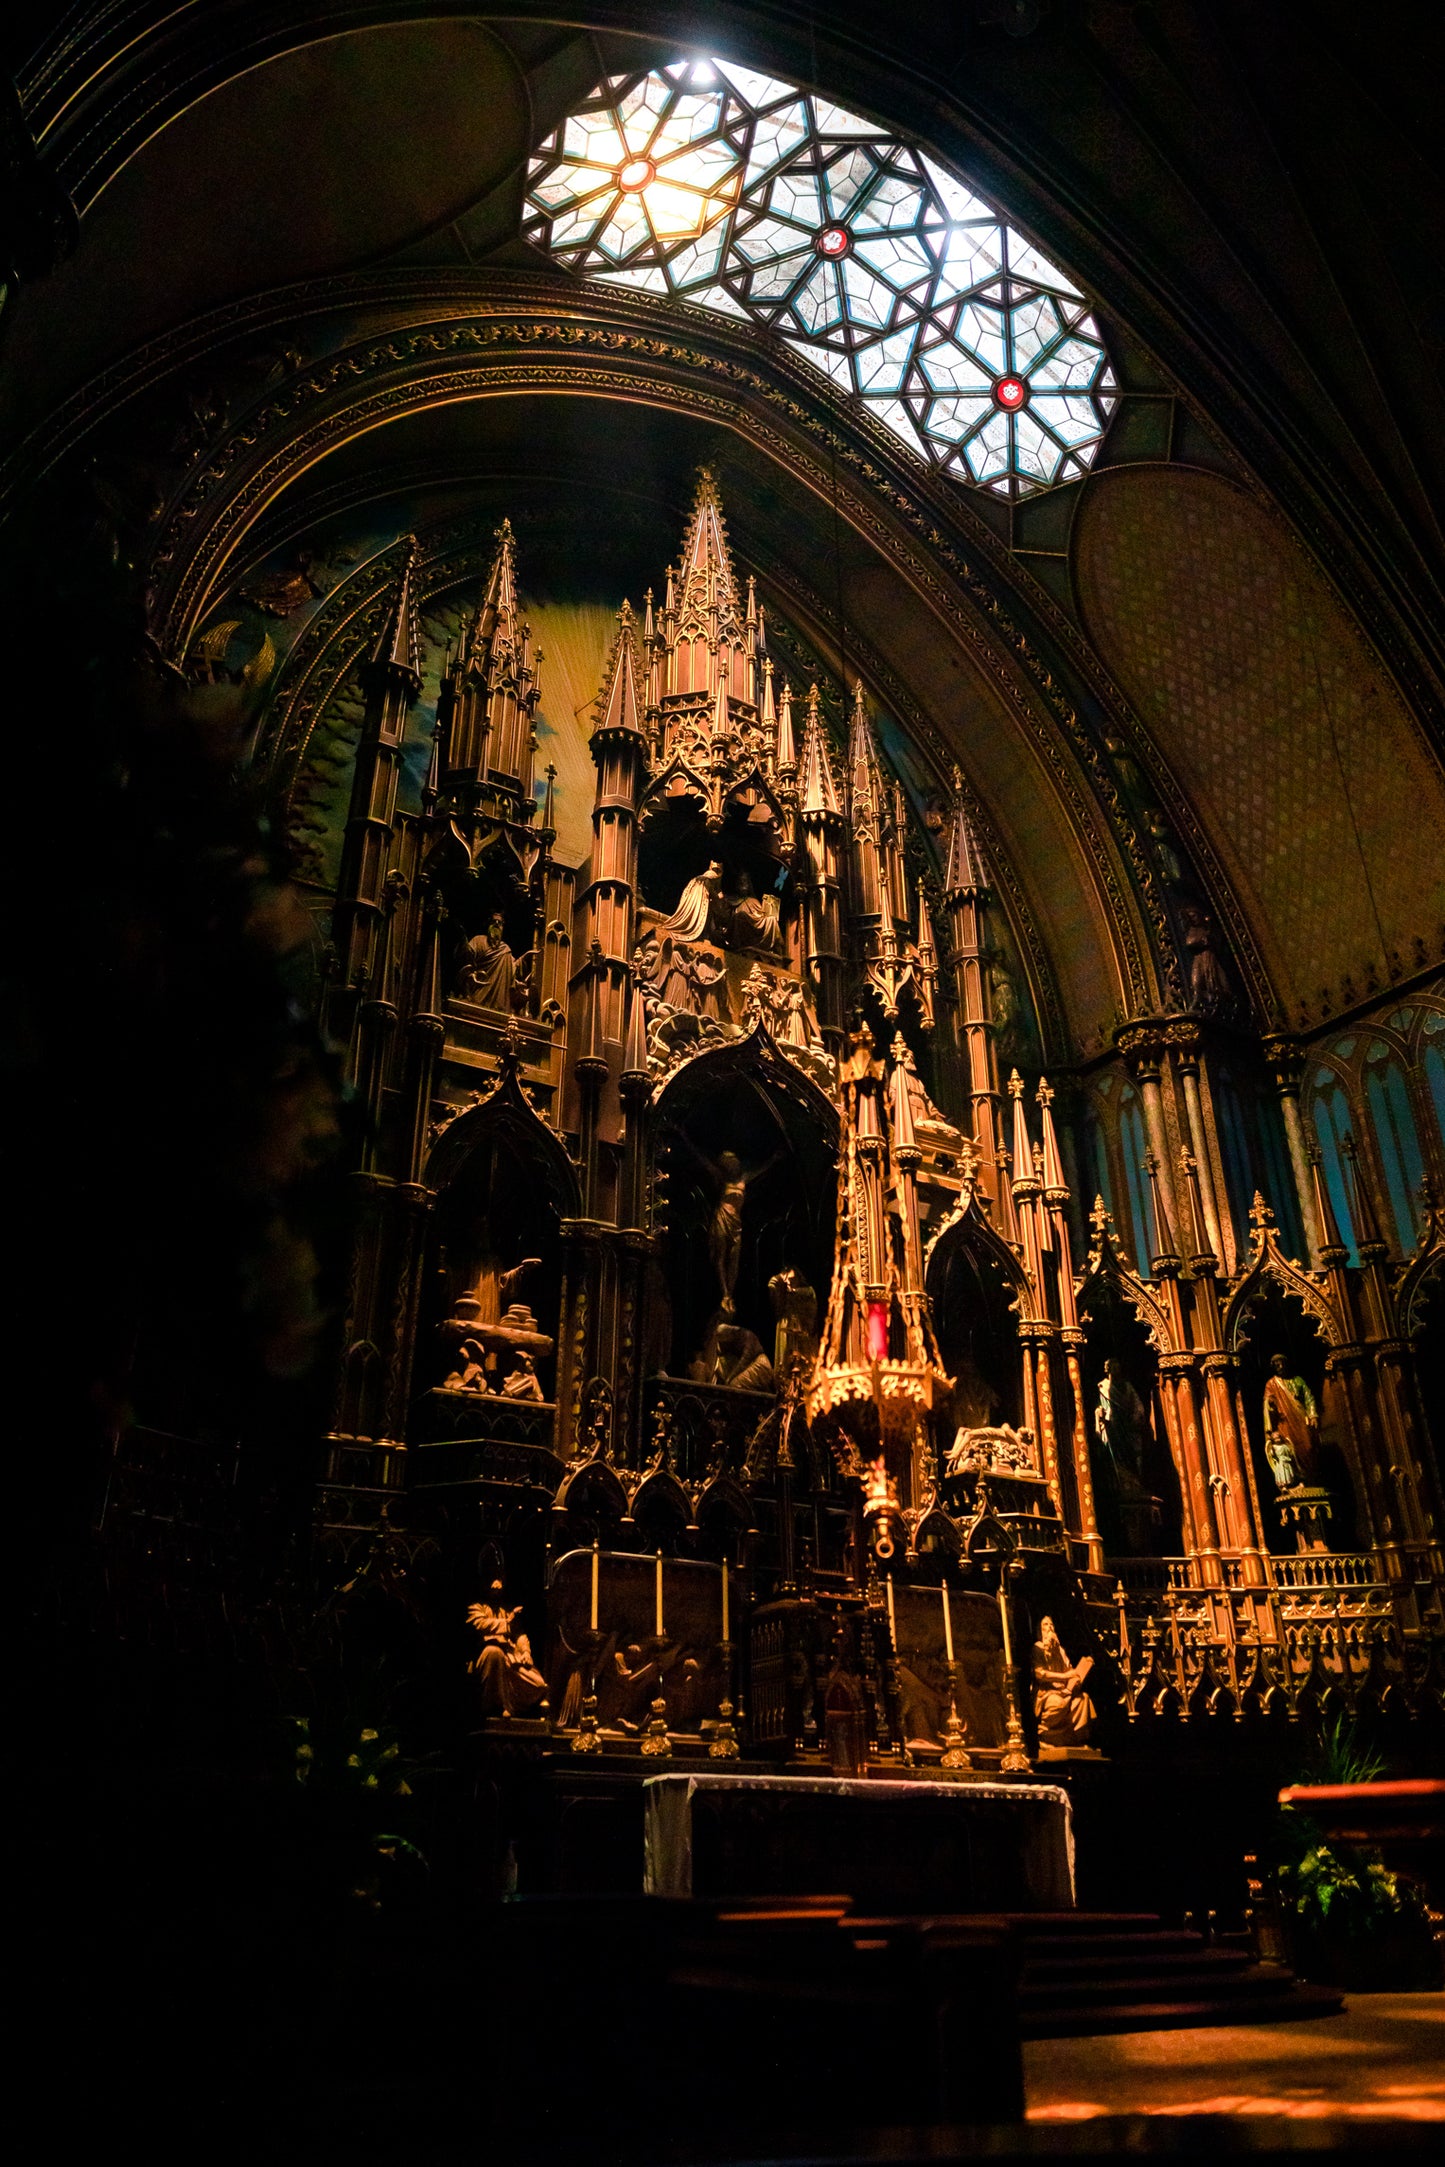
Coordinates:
<point>1328,1569</point>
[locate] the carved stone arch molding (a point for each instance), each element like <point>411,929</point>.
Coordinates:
<point>506,1114</point>
<point>1266,1266</point>
<point>411,343</point>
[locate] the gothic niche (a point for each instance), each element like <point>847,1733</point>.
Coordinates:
<point>493,918</point>
<point>977,1333</point>
<point>749,1226</point>
<point>1136,1485</point>
<point>489,1345</point>
<point>1306,1496</point>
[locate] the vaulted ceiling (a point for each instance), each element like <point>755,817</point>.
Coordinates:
<point>299,317</point>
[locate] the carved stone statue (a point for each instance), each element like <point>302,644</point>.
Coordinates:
<point>1209,987</point>
<point>693,918</point>
<point>1122,1427</point>
<point>725,1229</point>
<point>1291,1427</point>
<point>469,1374</point>
<point>509,1681</point>
<point>795,1305</point>
<point>1062,1707</point>
<point>522,1382</point>
<point>755,922</point>
<point>994,1449</point>
<point>741,1360</point>
<point>488,967</point>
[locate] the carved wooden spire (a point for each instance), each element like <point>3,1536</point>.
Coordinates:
<point>618,704</point>
<point>820,790</point>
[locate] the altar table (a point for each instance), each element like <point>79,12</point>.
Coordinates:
<point>889,1845</point>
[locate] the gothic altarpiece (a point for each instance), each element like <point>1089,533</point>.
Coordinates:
<point>718,1290</point>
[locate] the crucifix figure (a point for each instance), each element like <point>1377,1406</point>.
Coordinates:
<point>731,1182</point>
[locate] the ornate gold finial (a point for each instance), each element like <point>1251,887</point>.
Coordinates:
<point>1016,1085</point>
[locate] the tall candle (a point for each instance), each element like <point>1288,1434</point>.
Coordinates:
<point>594,1586</point>
<point>659,1595</point>
<point>725,1599</point>
<point>947,1625</point>
<point>1008,1654</point>
<point>892,1621</point>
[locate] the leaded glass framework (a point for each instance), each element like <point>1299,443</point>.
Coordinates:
<point>730,189</point>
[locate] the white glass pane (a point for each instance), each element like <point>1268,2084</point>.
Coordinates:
<point>674,212</point>
<point>795,195</point>
<point>594,136</point>
<point>1035,325</point>
<point>713,166</point>
<point>690,118</point>
<point>1036,454</point>
<point>883,366</point>
<point>952,368</point>
<point>700,259</point>
<point>988,452</point>
<point>893,205</point>
<point>759,90</point>
<point>972,256</point>
<point>581,224</point>
<point>647,276</point>
<point>1025,261</point>
<point>870,302</point>
<point>1071,416</point>
<point>640,109</point>
<point>845,179</point>
<point>836,120</point>
<point>626,227</point>
<point>569,184</point>
<point>981,329</point>
<point>959,203</point>
<point>1070,367</point>
<point>774,137</point>
<point>835,360</point>
<point>899,420</point>
<point>718,297</point>
<point>818,305</point>
<point>900,258</point>
<point>775,279</point>
<point>954,419</point>
<point>769,238</point>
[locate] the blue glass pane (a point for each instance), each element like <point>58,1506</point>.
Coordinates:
<point>1234,1150</point>
<point>1396,1143</point>
<point>1330,1112</point>
<point>1435,1084</point>
<point>1133,1143</point>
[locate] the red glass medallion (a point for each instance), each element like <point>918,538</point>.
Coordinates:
<point>1010,392</point>
<point>635,175</point>
<point>832,241</point>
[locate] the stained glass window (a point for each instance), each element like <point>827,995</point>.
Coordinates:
<point>719,186</point>
<point>1133,1143</point>
<point>1396,1142</point>
<point>1330,1110</point>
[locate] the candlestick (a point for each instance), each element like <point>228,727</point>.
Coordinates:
<point>955,1760</point>
<point>595,1562</point>
<point>947,1626</point>
<point>585,1738</point>
<point>1008,1654</point>
<point>659,1595</point>
<point>724,1745</point>
<point>725,1634</point>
